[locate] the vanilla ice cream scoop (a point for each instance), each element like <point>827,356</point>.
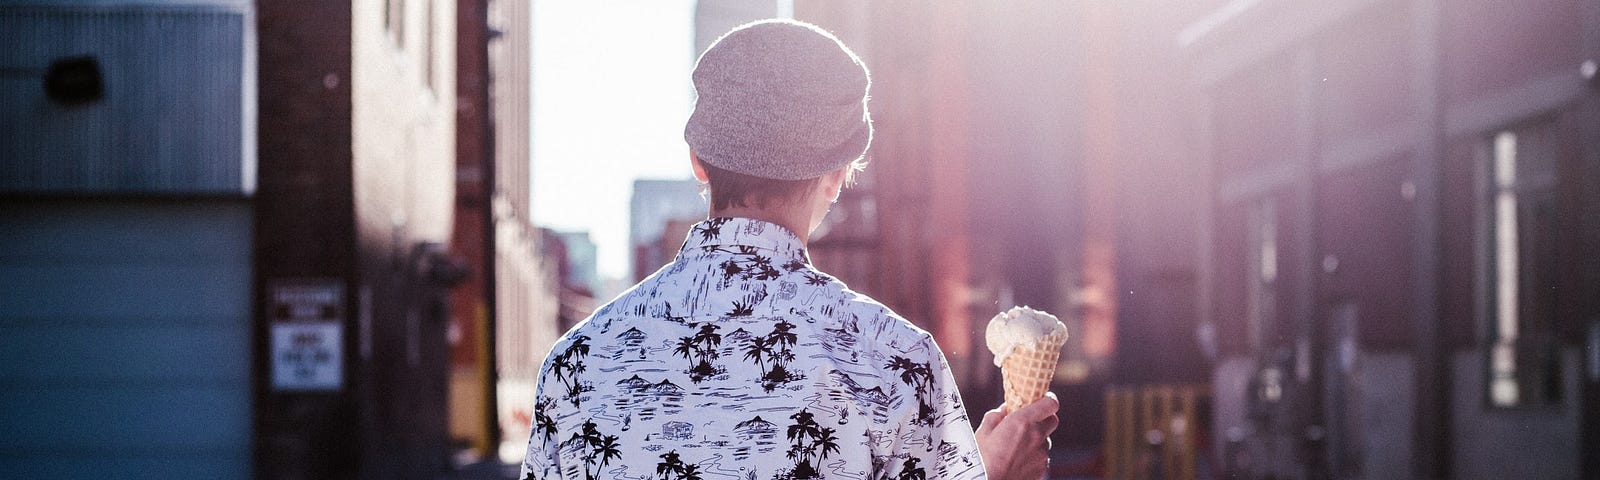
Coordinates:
<point>1020,326</point>
<point>1026,344</point>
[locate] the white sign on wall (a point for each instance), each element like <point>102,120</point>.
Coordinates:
<point>307,335</point>
<point>307,356</point>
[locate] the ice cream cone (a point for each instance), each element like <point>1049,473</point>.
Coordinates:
<point>1027,371</point>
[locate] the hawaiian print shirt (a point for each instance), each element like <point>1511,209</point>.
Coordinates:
<point>740,361</point>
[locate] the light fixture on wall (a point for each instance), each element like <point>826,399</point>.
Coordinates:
<point>74,81</point>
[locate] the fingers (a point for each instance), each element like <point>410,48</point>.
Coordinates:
<point>1016,446</point>
<point>1040,410</point>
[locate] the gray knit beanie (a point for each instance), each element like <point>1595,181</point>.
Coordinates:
<point>779,99</point>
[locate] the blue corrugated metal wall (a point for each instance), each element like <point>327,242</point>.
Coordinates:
<point>175,117</point>
<point>125,339</point>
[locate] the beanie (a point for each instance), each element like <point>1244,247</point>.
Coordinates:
<point>779,99</point>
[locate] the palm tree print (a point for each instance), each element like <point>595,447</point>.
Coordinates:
<point>686,349</point>
<point>568,366</point>
<point>783,335</point>
<point>670,465</point>
<point>742,309</point>
<point>597,448</point>
<point>708,339</point>
<point>777,347</point>
<point>758,350</point>
<point>747,264</point>
<point>701,350</point>
<point>710,229</point>
<point>809,441</point>
<point>543,423</point>
<point>607,450</point>
<point>910,471</point>
<point>920,378</point>
<point>763,268</point>
<point>673,468</point>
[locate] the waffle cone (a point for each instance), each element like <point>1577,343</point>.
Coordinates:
<point>1027,372</point>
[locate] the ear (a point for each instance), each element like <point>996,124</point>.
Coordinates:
<point>833,183</point>
<point>699,170</point>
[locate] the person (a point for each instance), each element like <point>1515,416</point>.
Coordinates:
<point>741,360</point>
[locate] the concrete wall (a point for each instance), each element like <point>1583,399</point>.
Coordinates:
<point>402,76</point>
<point>403,120</point>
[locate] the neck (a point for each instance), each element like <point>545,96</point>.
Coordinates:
<point>790,218</point>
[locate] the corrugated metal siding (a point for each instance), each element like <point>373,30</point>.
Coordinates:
<point>172,119</point>
<point>125,339</point>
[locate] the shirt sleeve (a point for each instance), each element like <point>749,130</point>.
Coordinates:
<point>543,459</point>
<point>936,438</point>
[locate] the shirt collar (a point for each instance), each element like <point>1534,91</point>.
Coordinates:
<point>745,232</point>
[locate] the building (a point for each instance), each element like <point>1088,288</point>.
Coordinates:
<point>527,309</point>
<point>1397,240</point>
<point>712,18</point>
<point>655,205</point>
<point>575,256</point>
<point>262,203</point>
<point>582,270</point>
<point>990,184</point>
<point>502,316</point>
<point>128,190</point>
<point>1364,223</point>
<point>356,199</point>
<point>572,259</point>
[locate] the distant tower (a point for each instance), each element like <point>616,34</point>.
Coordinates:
<point>712,18</point>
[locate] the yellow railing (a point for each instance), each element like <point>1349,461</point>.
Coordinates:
<point>1152,431</point>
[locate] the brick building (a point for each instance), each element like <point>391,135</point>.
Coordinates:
<point>357,162</point>
<point>1398,240</point>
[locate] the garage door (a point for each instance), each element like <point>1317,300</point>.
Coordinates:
<point>125,339</point>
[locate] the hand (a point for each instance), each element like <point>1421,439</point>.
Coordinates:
<point>1016,446</point>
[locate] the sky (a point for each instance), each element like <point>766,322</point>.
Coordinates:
<point>610,94</point>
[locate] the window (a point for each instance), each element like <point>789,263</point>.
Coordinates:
<point>426,36</point>
<point>1517,225</point>
<point>394,14</point>
<point>1263,264</point>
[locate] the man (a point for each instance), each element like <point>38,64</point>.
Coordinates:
<point>739,360</point>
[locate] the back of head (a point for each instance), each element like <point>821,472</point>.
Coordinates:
<point>780,100</point>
